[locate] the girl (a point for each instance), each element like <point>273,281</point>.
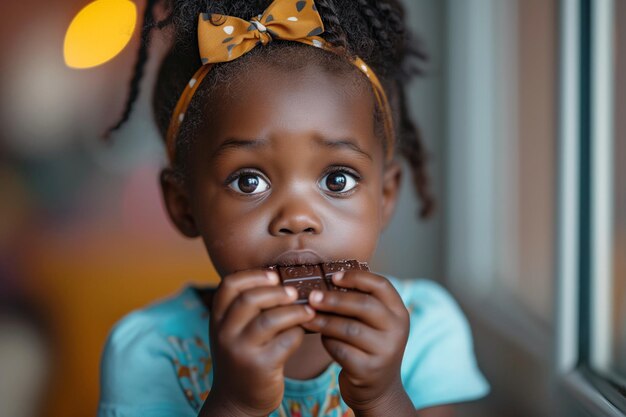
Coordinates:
<point>283,122</point>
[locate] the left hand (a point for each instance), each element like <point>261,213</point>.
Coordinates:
<point>366,333</point>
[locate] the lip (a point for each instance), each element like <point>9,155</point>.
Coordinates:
<point>298,257</point>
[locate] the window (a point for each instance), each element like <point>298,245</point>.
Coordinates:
<point>535,245</point>
<point>592,274</point>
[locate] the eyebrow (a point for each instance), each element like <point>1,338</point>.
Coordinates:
<point>237,143</point>
<point>345,143</point>
<point>248,144</point>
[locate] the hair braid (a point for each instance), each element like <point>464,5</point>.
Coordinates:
<point>376,25</point>
<point>399,57</point>
<point>142,58</point>
<point>393,14</point>
<point>411,148</point>
<point>333,32</point>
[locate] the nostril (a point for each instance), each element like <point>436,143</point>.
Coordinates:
<point>286,231</point>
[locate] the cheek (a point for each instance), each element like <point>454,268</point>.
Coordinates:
<point>354,239</point>
<point>231,232</point>
<point>357,224</point>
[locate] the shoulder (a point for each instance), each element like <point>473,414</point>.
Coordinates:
<point>422,291</point>
<point>147,328</point>
<point>429,303</point>
<point>136,368</point>
<point>439,365</point>
<point>157,317</point>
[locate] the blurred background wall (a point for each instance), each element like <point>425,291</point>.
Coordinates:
<point>83,234</point>
<point>84,238</point>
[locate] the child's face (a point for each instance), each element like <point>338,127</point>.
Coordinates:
<point>289,171</point>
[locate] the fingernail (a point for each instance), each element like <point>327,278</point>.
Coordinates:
<point>316,296</point>
<point>291,292</point>
<point>309,310</point>
<point>338,276</point>
<point>272,276</point>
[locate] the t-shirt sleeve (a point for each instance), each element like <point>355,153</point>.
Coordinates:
<point>439,366</point>
<point>136,377</point>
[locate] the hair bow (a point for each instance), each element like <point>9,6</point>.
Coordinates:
<point>224,38</point>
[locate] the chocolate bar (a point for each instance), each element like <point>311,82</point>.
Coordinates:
<point>306,278</point>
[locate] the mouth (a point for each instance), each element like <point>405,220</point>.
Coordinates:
<point>297,257</point>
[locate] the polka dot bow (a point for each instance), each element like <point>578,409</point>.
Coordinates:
<point>224,38</point>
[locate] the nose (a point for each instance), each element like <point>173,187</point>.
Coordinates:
<point>295,216</point>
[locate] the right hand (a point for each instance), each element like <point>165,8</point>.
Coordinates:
<point>254,328</point>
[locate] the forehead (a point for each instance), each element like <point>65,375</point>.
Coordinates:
<point>266,101</point>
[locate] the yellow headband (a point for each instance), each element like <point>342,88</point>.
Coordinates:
<point>225,38</point>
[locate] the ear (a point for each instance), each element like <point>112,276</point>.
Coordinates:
<point>392,178</point>
<point>177,202</point>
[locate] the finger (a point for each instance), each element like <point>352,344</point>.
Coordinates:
<point>362,306</point>
<point>349,357</point>
<point>269,323</point>
<point>252,302</point>
<point>284,345</point>
<point>233,285</point>
<point>347,330</point>
<point>370,283</point>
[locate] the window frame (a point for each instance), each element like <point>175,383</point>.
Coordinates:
<point>585,204</point>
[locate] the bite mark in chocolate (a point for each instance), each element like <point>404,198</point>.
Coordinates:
<point>306,278</point>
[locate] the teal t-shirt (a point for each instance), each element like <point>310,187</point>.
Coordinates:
<point>157,361</point>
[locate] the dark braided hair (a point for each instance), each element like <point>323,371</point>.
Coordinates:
<point>142,58</point>
<point>371,29</point>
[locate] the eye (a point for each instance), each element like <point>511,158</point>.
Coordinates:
<point>249,183</point>
<point>338,182</point>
